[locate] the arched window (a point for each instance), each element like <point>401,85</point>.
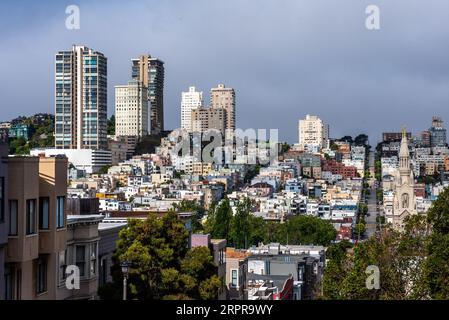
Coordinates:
<point>405,200</point>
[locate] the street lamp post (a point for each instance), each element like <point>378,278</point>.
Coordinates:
<point>125,270</point>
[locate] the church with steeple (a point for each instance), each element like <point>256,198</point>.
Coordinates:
<point>404,203</point>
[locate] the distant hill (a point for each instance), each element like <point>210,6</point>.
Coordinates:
<point>42,125</point>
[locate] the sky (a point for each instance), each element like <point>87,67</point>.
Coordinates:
<point>284,58</point>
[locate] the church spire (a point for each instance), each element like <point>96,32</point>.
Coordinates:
<point>404,156</point>
<point>404,152</point>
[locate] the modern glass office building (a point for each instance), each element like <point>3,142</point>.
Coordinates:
<point>80,99</point>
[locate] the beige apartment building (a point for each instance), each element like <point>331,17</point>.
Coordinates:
<point>37,226</point>
<point>42,240</point>
<point>131,110</point>
<point>201,168</point>
<point>150,71</point>
<point>236,270</point>
<point>204,119</point>
<point>313,133</point>
<point>223,97</point>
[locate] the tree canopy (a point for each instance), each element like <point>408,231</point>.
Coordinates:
<point>162,265</point>
<point>413,263</point>
<point>243,229</point>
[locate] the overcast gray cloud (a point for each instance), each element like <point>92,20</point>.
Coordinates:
<point>285,58</point>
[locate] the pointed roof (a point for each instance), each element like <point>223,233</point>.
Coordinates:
<point>404,152</point>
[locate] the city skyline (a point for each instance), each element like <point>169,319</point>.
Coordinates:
<point>245,151</point>
<point>394,76</point>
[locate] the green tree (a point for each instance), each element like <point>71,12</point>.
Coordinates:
<point>437,263</point>
<point>258,231</point>
<point>305,229</point>
<point>400,258</point>
<point>162,267</point>
<point>240,224</point>
<point>198,210</point>
<point>363,209</point>
<point>152,246</point>
<point>336,270</point>
<point>219,220</point>
<point>360,229</point>
<point>285,147</point>
<point>104,169</point>
<point>334,146</point>
<point>361,140</point>
<point>111,125</point>
<point>347,139</point>
<point>199,274</point>
<point>438,214</point>
<point>19,146</point>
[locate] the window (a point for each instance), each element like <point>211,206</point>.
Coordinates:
<point>103,271</point>
<point>222,257</point>
<point>81,259</point>
<point>62,265</point>
<point>31,217</point>
<point>8,285</point>
<point>44,213</point>
<point>60,210</point>
<point>2,199</point>
<point>41,276</point>
<point>234,278</point>
<point>13,207</point>
<point>93,259</point>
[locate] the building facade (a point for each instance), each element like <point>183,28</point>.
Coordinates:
<point>189,101</point>
<point>437,133</point>
<point>80,99</point>
<point>150,71</point>
<point>404,202</point>
<point>87,160</point>
<point>82,250</point>
<point>20,130</point>
<point>313,133</point>
<point>236,270</point>
<point>122,148</point>
<point>36,228</point>
<point>222,97</point>
<point>4,216</point>
<point>204,119</point>
<point>131,110</point>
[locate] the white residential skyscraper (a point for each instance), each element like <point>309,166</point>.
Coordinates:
<point>80,99</point>
<point>190,100</point>
<point>131,109</point>
<point>313,133</point>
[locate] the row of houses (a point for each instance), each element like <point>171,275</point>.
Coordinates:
<point>39,240</point>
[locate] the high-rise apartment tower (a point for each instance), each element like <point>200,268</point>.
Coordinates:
<point>80,99</point>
